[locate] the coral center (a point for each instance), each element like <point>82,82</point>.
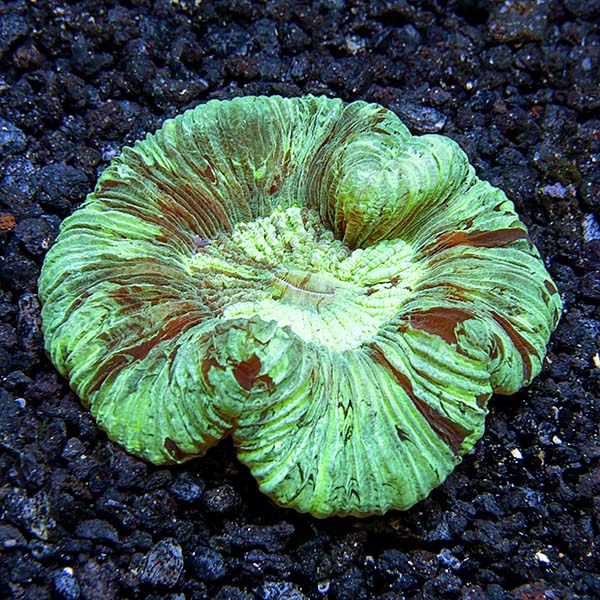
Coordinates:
<point>289,268</point>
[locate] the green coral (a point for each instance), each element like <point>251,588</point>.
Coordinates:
<point>340,297</point>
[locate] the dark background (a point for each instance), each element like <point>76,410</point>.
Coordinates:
<point>516,85</point>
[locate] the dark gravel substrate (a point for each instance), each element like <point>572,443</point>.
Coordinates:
<point>516,85</point>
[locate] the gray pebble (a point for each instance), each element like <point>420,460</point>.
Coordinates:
<point>32,513</point>
<point>187,488</point>
<point>228,592</point>
<point>97,581</point>
<point>418,118</point>
<point>12,28</point>
<point>97,530</point>
<point>281,590</point>
<point>12,139</point>
<point>29,323</point>
<point>163,565</point>
<point>222,499</point>
<point>208,564</point>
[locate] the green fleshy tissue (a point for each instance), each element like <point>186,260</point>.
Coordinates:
<point>340,297</point>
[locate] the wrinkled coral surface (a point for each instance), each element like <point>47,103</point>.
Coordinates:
<point>340,297</point>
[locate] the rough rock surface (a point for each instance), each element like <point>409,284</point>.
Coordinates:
<point>516,84</point>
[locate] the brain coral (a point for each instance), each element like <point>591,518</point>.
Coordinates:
<point>340,297</point>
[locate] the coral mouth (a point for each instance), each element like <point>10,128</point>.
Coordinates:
<point>306,289</point>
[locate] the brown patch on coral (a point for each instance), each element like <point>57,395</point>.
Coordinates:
<point>440,321</point>
<point>524,348</point>
<point>122,358</point>
<point>451,433</point>
<point>482,399</point>
<point>477,239</point>
<point>247,371</point>
<point>550,287</point>
<point>174,450</point>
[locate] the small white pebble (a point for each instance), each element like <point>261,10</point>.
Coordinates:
<point>439,125</point>
<point>516,453</point>
<point>556,440</point>
<point>354,44</point>
<point>541,557</point>
<point>596,360</point>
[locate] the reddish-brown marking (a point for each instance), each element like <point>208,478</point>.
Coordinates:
<point>482,400</point>
<point>550,287</point>
<point>524,348</point>
<point>171,329</point>
<point>111,183</point>
<point>380,117</point>
<point>122,358</point>
<point>441,321</point>
<point>478,239</point>
<point>402,435</point>
<point>180,198</point>
<point>81,298</point>
<point>495,346</point>
<point>209,172</point>
<point>207,365</point>
<point>174,450</point>
<point>286,163</point>
<point>266,379</point>
<point>451,433</point>
<point>115,364</point>
<point>169,211</point>
<point>246,372</point>
<point>131,297</point>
